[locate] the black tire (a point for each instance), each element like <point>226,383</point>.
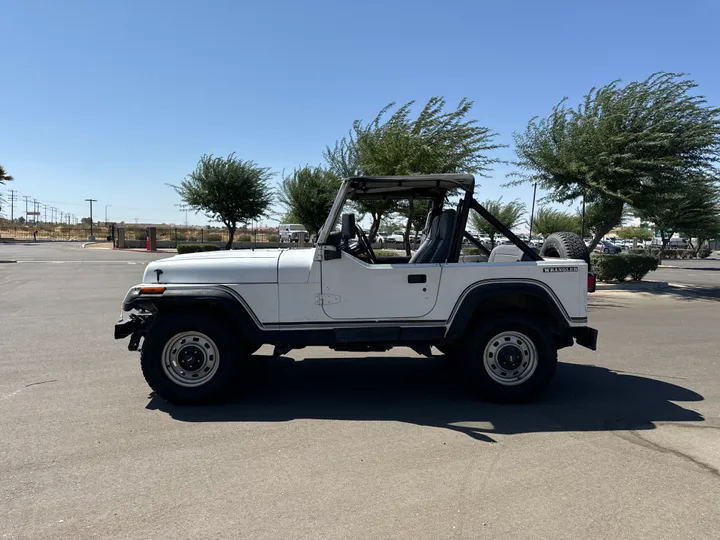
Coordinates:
<point>565,245</point>
<point>606,250</point>
<point>531,337</point>
<point>228,350</point>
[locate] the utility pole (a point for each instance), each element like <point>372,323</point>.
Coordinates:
<point>27,200</point>
<point>45,206</point>
<point>91,217</point>
<point>106,207</point>
<point>36,207</point>
<point>12,205</point>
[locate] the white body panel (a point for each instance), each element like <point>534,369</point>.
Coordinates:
<point>378,291</point>
<point>283,286</point>
<point>234,266</point>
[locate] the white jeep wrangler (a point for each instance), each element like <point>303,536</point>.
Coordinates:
<point>502,317</point>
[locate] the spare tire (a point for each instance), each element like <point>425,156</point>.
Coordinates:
<point>565,245</point>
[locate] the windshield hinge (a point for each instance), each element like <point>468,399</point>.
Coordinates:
<point>324,299</point>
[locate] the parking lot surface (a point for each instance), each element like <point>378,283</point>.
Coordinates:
<point>625,444</point>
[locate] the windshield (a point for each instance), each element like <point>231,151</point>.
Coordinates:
<point>296,227</point>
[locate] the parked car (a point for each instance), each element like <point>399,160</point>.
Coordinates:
<point>293,232</point>
<point>396,237</point>
<point>607,247</point>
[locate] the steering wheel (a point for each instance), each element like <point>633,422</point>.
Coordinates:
<point>364,244</point>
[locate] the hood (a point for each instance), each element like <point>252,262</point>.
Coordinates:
<point>234,266</point>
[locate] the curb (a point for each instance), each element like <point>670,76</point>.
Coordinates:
<point>86,244</point>
<point>633,286</point>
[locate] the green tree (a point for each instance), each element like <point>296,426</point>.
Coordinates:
<point>510,215</point>
<point>436,141</point>
<point>4,176</point>
<point>308,195</point>
<point>631,233</point>
<point>85,221</point>
<point>693,214</point>
<point>548,220</point>
<point>21,220</point>
<point>601,216</point>
<point>632,144</point>
<point>228,190</point>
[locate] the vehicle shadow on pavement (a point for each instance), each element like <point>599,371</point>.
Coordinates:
<point>688,293</point>
<point>426,392</point>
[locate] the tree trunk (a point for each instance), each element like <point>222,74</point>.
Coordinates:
<point>665,242</point>
<point>408,225</point>
<point>613,219</point>
<point>492,241</point>
<point>231,237</point>
<point>375,226</point>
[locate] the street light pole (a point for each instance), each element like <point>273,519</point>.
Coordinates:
<point>106,207</point>
<point>532,212</point>
<point>91,218</point>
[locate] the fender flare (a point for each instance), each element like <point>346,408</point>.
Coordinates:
<point>471,301</point>
<point>212,299</point>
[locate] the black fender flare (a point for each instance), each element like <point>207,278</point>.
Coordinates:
<point>480,294</point>
<point>217,299</point>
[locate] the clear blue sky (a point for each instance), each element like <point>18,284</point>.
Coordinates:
<point>112,100</point>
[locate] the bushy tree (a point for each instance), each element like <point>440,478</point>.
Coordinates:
<point>308,194</point>
<point>630,233</point>
<point>548,220</point>
<point>436,141</point>
<point>228,190</point>
<point>509,214</point>
<point>4,176</point>
<point>695,213</point>
<point>632,144</point>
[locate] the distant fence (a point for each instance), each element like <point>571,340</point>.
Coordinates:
<point>69,233</point>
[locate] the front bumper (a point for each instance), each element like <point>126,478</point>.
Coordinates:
<point>127,327</point>
<point>585,336</point>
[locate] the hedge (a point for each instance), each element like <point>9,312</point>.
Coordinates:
<point>195,248</point>
<point>620,267</point>
<point>673,253</point>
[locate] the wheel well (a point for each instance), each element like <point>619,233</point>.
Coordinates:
<point>213,308</point>
<point>508,302</point>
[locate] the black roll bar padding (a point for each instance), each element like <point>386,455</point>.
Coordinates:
<point>527,250</point>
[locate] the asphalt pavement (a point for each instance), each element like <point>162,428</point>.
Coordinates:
<point>625,444</point>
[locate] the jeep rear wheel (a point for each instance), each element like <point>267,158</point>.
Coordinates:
<point>189,359</point>
<point>509,358</point>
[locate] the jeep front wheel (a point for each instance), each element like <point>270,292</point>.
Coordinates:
<point>509,358</point>
<point>189,359</point>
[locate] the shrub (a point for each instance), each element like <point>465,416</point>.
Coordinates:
<point>387,253</point>
<point>472,251</point>
<point>191,238</point>
<point>273,238</point>
<point>195,248</point>
<point>244,238</point>
<point>619,267</point>
<point>139,234</point>
<point>214,237</point>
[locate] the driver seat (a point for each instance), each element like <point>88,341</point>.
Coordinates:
<point>436,246</point>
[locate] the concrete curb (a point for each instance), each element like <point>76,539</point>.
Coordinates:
<point>633,286</point>
<point>86,244</point>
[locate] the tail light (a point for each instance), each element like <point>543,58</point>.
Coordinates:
<point>591,282</point>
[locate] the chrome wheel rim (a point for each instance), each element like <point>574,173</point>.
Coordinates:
<point>510,358</point>
<point>190,359</point>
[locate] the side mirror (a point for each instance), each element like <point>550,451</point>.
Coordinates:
<point>348,229</point>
